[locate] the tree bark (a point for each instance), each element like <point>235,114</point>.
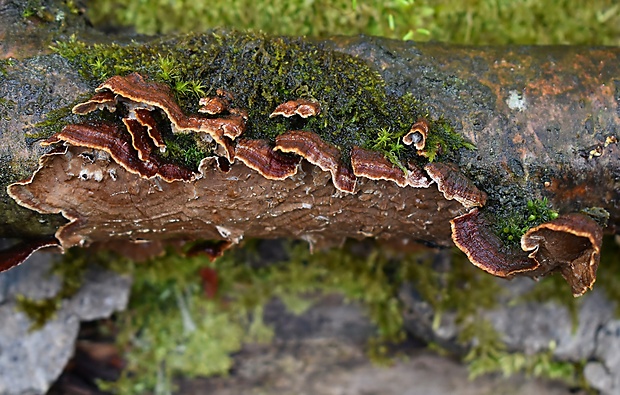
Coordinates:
<point>545,121</point>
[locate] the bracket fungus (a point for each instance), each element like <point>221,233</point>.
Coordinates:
<point>375,166</point>
<point>140,93</point>
<point>569,244</point>
<point>417,135</point>
<point>260,156</point>
<point>100,101</point>
<point>303,107</point>
<point>19,253</point>
<point>216,104</point>
<point>455,185</point>
<point>312,148</point>
<point>473,235</point>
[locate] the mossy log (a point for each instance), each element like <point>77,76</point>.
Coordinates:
<point>544,121</point>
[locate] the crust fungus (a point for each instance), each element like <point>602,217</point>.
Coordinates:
<point>570,244</point>
<point>455,185</point>
<point>303,107</point>
<point>260,156</point>
<point>417,135</point>
<point>375,166</point>
<point>311,147</point>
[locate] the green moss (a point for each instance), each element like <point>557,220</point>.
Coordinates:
<point>4,65</point>
<point>489,355</point>
<point>262,72</point>
<point>511,226</point>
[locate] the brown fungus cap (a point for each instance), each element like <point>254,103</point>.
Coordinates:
<point>417,135</point>
<point>99,101</point>
<point>417,177</point>
<point>455,185</point>
<point>472,234</point>
<point>260,156</point>
<point>213,105</point>
<point>375,166</point>
<point>570,244</point>
<point>311,147</point>
<point>303,107</point>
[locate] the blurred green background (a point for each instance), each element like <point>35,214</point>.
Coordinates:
<point>593,22</point>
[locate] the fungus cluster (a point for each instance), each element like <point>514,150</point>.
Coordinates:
<point>569,244</point>
<point>147,113</point>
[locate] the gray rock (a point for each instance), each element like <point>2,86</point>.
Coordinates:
<point>30,361</point>
<point>604,373</point>
<point>533,327</point>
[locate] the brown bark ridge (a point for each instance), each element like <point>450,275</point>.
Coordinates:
<point>545,121</point>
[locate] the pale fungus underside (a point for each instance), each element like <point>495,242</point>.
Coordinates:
<point>298,158</point>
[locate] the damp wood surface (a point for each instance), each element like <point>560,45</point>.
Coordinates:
<point>545,121</point>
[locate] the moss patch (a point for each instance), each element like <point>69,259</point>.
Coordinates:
<point>511,226</point>
<point>262,72</point>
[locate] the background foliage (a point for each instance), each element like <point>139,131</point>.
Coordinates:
<point>595,22</point>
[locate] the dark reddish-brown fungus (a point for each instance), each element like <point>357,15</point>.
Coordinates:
<point>213,105</point>
<point>303,107</point>
<point>311,147</point>
<point>455,185</point>
<point>147,94</point>
<point>472,235</point>
<point>260,156</point>
<point>17,254</point>
<point>140,140</point>
<point>375,166</point>
<point>146,119</point>
<point>570,244</point>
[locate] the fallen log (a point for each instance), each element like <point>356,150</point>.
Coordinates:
<point>512,151</point>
